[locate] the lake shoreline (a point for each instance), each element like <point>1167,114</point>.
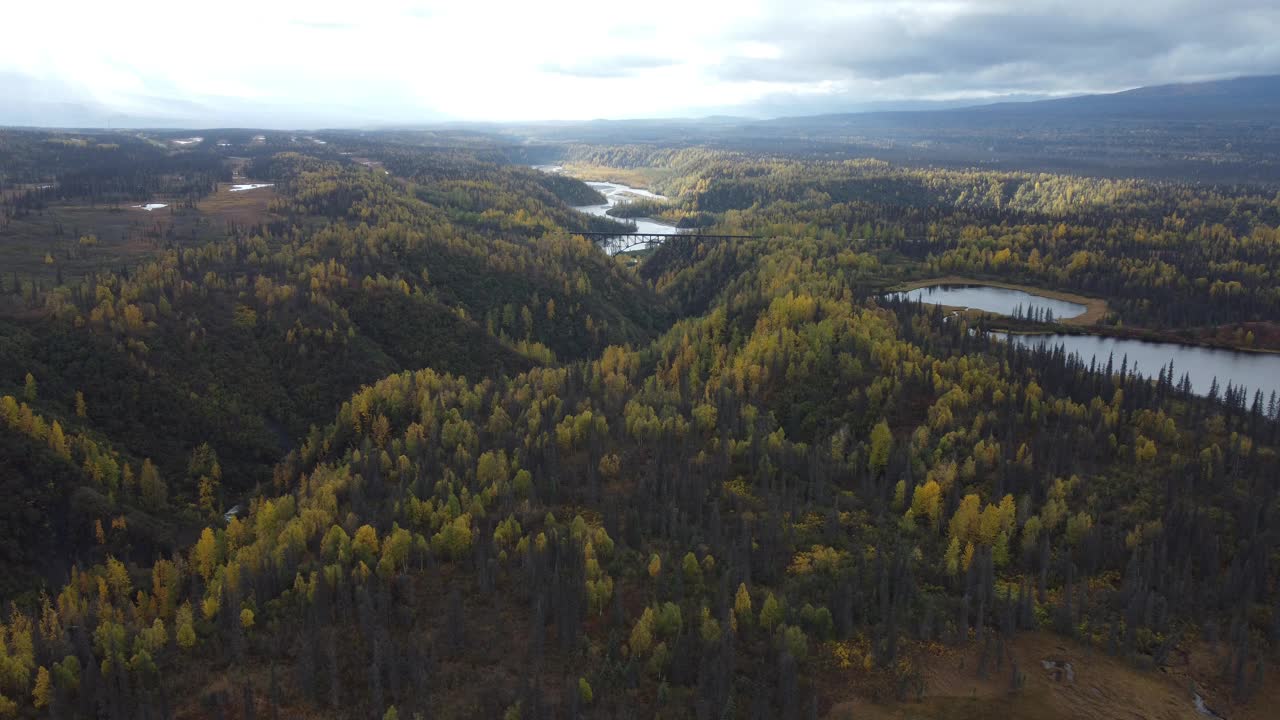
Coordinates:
<point>1095,308</point>
<point>1122,333</point>
<point>1084,324</point>
<point>1250,373</point>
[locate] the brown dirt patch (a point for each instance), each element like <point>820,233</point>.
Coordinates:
<point>249,207</point>
<point>1103,687</point>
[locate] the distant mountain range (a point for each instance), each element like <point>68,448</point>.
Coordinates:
<point>1219,131</point>
<point>1245,99</point>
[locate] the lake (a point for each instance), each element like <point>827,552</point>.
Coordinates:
<point>1256,371</point>
<point>1002,301</point>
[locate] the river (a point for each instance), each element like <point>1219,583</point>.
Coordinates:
<point>615,194</point>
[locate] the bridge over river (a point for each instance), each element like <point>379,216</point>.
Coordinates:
<point>614,243</point>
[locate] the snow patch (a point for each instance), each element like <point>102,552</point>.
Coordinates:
<point>1059,670</point>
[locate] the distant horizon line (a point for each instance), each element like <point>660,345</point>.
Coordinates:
<point>939,106</point>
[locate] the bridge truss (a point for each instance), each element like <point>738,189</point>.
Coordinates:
<point>614,243</point>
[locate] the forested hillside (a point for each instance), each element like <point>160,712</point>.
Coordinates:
<point>488,471</point>
<point>247,341</point>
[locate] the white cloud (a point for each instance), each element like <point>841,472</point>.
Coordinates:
<point>288,62</point>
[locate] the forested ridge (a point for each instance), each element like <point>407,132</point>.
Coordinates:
<point>488,471</point>
<point>1164,255</point>
<point>248,341</point>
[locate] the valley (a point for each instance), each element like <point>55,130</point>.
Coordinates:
<point>834,466</point>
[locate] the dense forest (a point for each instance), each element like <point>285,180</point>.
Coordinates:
<point>390,440</point>
<point>1167,255</point>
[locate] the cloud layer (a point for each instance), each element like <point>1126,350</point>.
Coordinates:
<point>916,49</point>
<point>324,62</point>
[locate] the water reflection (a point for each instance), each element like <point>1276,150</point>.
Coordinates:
<point>1003,301</point>
<point>1255,371</point>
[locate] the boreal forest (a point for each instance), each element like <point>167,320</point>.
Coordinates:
<point>361,425</point>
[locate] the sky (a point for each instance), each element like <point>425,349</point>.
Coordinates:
<point>324,63</point>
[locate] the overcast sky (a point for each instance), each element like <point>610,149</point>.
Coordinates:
<point>324,62</point>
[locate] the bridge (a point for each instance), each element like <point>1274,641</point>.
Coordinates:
<point>614,243</point>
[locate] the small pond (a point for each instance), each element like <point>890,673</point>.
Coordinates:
<point>1003,301</point>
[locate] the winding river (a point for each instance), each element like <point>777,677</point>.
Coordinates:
<point>616,194</point>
